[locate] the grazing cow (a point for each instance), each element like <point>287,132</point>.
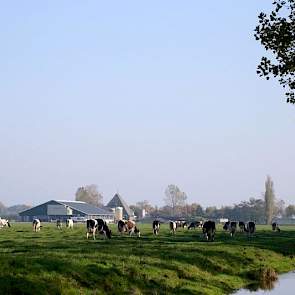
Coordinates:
<point>250,228</point>
<point>103,228</point>
<point>275,227</point>
<point>226,225</point>
<point>233,228</point>
<point>209,229</point>
<point>156,227</point>
<point>132,228</point>
<point>242,226</point>
<point>4,222</point>
<point>230,226</point>
<point>36,225</point>
<point>181,223</point>
<point>70,223</point>
<point>59,224</point>
<point>91,225</point>
<point>122,228</point>
<point>195,224</point>
<point>173,226</point>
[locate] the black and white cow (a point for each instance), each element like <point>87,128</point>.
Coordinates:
<point>91,225</point>
<point>4,222</point>
<point>59,224</point>
<point>103,228</point>
<point>195,224</point>
<point>233,228</point>
<point>242,226</point>
<point>122,227</point>
<point>251,227</point>
<point>173,226</point>
<point>181,223</point>
<point>230,226</point>
<point>97,225</point>
<point>226,225</point>
<point>156,227</point>
<point>209,229</point>
<point>275,227</point>
<point>36,225</point>
<point>70,223</point>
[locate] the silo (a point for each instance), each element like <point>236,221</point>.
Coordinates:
<point>143,213</point>
<point>119,213</point>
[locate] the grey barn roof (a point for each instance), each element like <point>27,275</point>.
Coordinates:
<point>82,207</point>
<point>85,208</point>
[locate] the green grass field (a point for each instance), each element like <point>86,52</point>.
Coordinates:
<point>63,262</point>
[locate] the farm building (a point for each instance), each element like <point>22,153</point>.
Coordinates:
<point>57,209</point>
<point>117,202</point>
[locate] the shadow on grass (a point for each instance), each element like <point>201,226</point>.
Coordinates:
<point>282,243</point>
<point>14,284</point>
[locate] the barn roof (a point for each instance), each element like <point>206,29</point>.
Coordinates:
<point>117,201</point>
<point>85,208</point>
<point>80,206</point>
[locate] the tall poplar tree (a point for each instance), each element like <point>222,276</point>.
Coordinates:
<point>269,199</point>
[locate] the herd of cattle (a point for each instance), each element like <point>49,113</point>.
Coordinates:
<point>95,226</point>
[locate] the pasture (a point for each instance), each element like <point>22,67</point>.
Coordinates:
<point>56,261</point>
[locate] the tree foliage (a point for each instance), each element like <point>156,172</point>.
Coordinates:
<point>139,206</point>
<point>290,211</point>
<point>269,199</point>
<point>12,211</point>
<point>195,210</point>
<point>276,32</point>
<point>279,209</point>
<point>174,197</point>
<point>89,194</point>
<point>244,211</point>
<point>145,204</point>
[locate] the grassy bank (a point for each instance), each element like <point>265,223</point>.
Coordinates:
<point>64,262</point>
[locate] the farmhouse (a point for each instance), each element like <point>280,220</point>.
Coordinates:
<point>59,209</point>
<point>117,201</point>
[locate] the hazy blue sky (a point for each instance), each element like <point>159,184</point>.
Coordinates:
<point>133,96</point>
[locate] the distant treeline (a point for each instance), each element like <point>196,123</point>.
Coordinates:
<point>12,211</point>
<point>261,210</point>
<point>254,209</point>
